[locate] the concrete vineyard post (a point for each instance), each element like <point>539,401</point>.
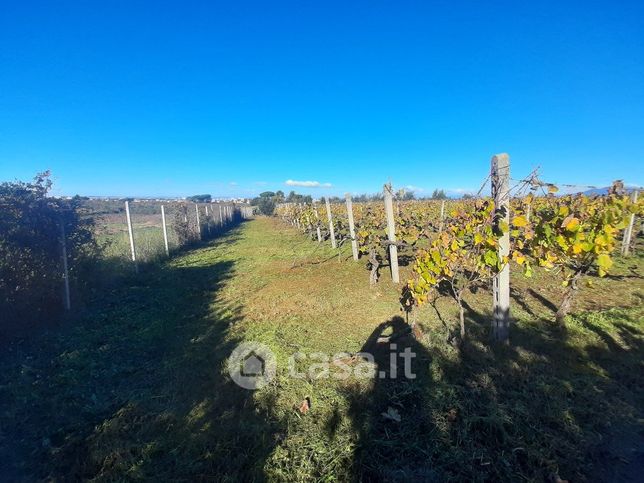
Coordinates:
<point>528,212</point>
<point>442,222</point>
<point>330,218</point>
<point>317,217</point>
<point>391,233</point>
<point>165,232</point>
<point>628,232</point>
<point>221,217</point>
<point>207,221</point>
<point>198,221</point>
<point>63,245</point>
<point>131,234</point>
<point>352,229</point>
<point>500,180</point>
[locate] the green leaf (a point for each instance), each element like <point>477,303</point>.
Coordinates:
<point>604,262</point>
<point>491,258</point>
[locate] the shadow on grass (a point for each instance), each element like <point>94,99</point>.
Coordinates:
<point>136,389</point>
<point>391,417</point>
<point>555,403</point>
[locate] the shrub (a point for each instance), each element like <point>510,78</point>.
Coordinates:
<point>31,224</point>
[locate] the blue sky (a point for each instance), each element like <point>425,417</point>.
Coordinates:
<point>234,98</point>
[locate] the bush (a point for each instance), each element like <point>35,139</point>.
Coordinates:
<point>31,224</point>
<point>267,201</point>
<point>266,206</point>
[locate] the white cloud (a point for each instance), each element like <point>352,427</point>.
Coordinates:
<point>260,183</point>
<point>416,189</point>
<point>233,183</point>
<point>457,192</point>
<point>307,184</point>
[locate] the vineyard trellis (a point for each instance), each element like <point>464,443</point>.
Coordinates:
<point>229,214</point>
<point>465,242</point>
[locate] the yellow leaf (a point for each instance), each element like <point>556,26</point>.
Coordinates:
<point>571,223</point>
<point>604,262</point>
<point>519,221</point>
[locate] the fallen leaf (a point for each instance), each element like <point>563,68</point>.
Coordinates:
<point>392,414</point>
<point>305,406</point>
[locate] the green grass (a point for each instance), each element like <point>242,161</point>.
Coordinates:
<point>136,388</point>
<point>148,241</point>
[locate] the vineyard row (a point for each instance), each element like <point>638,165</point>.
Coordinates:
<point>458,244</point>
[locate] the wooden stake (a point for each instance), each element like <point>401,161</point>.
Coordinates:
<point>330,218</point>
<point>352,230</point>
<point>131,233</point>
<point>391,233</point>
<point>500,179</point>
<point>165,232</point>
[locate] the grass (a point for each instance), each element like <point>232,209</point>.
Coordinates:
<point>111,232</point>
<point>136,387</point>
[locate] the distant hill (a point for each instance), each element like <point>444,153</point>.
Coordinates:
<point>604,191</point>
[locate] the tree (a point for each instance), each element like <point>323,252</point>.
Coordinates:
<point>265,202</point>
<point>439,195</point>
<point>200,198</point>
<point>266,206</point>
<point>403,194</point>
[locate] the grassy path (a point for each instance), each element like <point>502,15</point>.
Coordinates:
<point>137,388</point>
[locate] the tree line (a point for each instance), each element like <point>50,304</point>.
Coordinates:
<point>268,200</point>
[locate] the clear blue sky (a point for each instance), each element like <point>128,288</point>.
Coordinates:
<point>236,97</point>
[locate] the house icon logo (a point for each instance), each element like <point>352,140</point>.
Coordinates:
<point>251,365</point>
